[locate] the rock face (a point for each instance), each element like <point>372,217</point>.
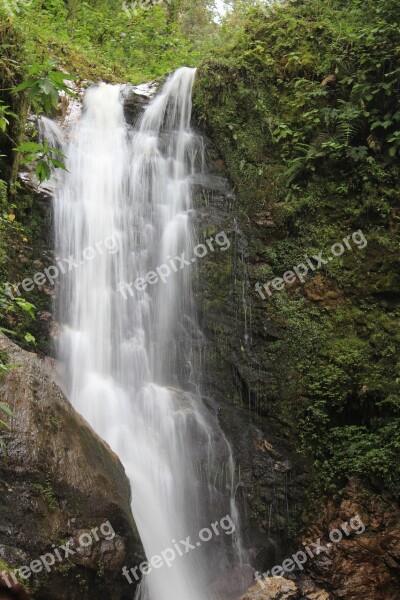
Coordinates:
<point>272,479</point>
<point>252,394</point>
<point>136,99</point>
<point>60,486</point>
<point>365,566</point>
<point>361,565</point>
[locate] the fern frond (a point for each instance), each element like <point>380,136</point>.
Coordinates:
<point>295,169</point>
<point>347,130</point>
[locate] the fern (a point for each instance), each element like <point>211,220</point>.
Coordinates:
<point>295,169</point>
<point>346,131</point>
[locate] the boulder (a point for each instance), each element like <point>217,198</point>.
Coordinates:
<point>276,588</point>
<point>136,98</point>
<point>60,485</point>
<point>279,588</point>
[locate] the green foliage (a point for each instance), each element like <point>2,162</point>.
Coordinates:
<point>22,310</point>
<point>43,155</point>
<point>23,305</point>
<point>16,313</point>
<point>302,105</point>
<point>29,338</point>
<point>355,450</point>
<point>41,89</point>
<point>5,113</point>
<point>43,84</point>
<point>100,40</point>
<point>337,107</point>
<point>47,493</point>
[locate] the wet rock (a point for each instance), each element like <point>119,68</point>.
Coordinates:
<point>59,480</point>
<point>109,553</point>
<point>365,565</point>
<point>210,182</point>
<point>136,99</point>
<point>233,583</point>
<point>237,376</point>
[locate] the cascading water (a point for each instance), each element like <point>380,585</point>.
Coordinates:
<point>124,208</point>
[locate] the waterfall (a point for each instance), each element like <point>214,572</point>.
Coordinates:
<point>126,346</point>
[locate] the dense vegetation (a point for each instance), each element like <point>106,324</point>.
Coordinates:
<point>303,106</point>
<point>114,40</point>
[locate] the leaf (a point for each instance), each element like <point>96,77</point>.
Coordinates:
<point>46,86</point>
<point>24,85</point>
<point>5,408</point>
<point>29,147</point>
<point>28,337</point>
<point>57,152</point>
<point>26,306</point>
<point>11,217</point>
<point>42,171</point>
<point>60,77</point>
<point>347,130</point>
<point>8,331</point>
<point>36,68</point>
<point>27,159</point>
<point>59,164</point>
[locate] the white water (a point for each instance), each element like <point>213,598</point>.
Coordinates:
<point>128,360</point>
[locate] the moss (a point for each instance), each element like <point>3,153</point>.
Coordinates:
<point>47,493</point>
<point>302,154</point>
<point>82,582</point>
<point>4,566</point>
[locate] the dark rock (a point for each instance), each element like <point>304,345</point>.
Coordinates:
<point>136,99</point>
<point>59,480</point>
<point>237,375</point>
<point>233,583</point>
<point>251,384</point>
